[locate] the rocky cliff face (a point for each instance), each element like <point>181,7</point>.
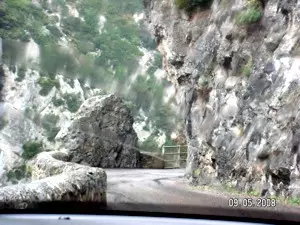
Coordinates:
<point>239,89</point>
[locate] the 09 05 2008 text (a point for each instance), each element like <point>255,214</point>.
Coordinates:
<point>251,202</point>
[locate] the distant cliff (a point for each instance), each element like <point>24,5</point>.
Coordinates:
<point>58,54</point>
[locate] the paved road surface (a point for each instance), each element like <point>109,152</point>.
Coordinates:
<point>166,191</point>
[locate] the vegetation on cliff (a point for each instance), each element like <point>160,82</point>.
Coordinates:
<point>251,14</point>
<point>190,5</point>
<point>99,42</point>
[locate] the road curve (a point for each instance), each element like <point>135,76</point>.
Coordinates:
<point>166,191</point>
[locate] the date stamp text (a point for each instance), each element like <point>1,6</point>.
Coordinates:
<point>251,202</point>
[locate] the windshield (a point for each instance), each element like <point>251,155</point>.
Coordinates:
<point>176,102</point>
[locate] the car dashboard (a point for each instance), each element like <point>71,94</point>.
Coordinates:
<point>107,220</point>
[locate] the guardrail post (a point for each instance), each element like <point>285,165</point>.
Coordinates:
<point>179,152</point>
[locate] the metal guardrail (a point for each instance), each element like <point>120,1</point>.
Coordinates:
<point>174,156</point>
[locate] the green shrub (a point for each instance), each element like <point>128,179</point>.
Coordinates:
<point>85,47</point>
<point>169,142</point>
<point>53,19</point>
<point>190,5</point>
<point>18,19</point>
<point>181,4</point>
<point>45,5</point>
<point>47,84</point>
<point>50,119</point>
<point>25,37</point>
<point>73,102</point>
<point>59,2</point>
<point>246,69</point>
<point>149,145</point>
<point>294,201</point>
<point>248,16</point>
<point>31,149</point>
<point>197,172</point>
<point>252,14</point>
<point>19,172</point>
<point>28,171</point>
<point>54,31</point>
<point>58,102</point>
<point>163,118</point>
<point>21,73</point>
<point>253,193</point>
<point>49,122</point>
<point>54,59</point>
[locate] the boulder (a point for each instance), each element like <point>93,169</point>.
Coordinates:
<point>149,161</point>
<point>55,180</point>
<point>101,134</point>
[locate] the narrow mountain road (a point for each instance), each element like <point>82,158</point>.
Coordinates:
<point>166,191</point>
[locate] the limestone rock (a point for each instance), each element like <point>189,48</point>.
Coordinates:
<point>55,180</point>
<point>101,134</point>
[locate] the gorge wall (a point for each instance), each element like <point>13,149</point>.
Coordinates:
<point>238,87</point>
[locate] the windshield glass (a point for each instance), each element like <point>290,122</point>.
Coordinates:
<point>198,98</point>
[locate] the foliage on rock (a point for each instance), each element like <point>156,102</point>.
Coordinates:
<point>251,14</point>
<point>47,83</point>
<point>72,101</point>
<point>19,172</point>
<point>149,145</point>
<point>190,5</point>
<point>246,69</point>
<point>58,101</point>
<point>21,73</point>
<point>31,149</point>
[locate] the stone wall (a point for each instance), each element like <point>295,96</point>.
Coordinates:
<point>56,180</point>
